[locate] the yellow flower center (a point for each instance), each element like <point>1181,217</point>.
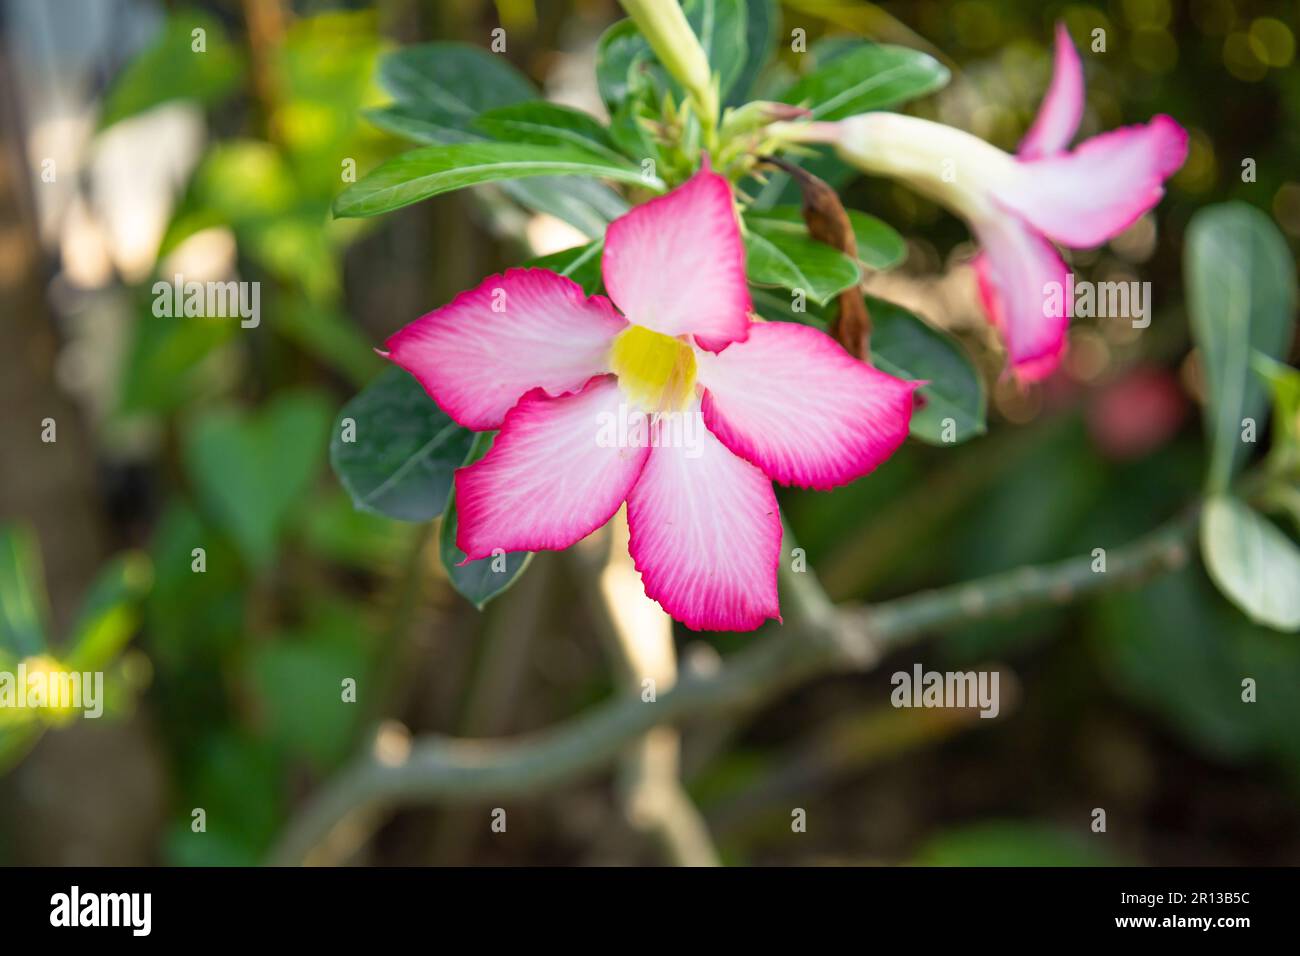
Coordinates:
<point>656,371</point>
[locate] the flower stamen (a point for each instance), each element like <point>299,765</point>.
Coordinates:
<point>655,371</point>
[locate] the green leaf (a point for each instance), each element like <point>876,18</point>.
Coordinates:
<point>171,69</point>
<point>624,60</point>
<point>586,204</point>
<point>908,348</point>
<point>628,132</point>
<point>581,264</point>
<point>420,123</point>
<point>779,306</point>
<point>477,581</point>
<point>762,20</point>
<point>1253,563</point>
<point>448,84</point>
<point>1241,295</point>
<point>871,77</point>
<point>792,261</point>
<point>427,172</point>
<point>879,246</point>
<point>404,452</point>
<point>23,608</point>
<point>622,55</point>
<point>549,124</point>
<point>722,29</point>
<point>251,470</point>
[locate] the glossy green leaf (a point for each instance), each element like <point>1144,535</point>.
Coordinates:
<point>581,264</point>
<point>478,581</point>
<point>251,470</point>
<point>625,63</point>
<point>722,29</point>
<point>628,130</point>
<point>403,452</point>
<point>622,56</point>
<point>1241,297</point>
<point>548,124</point>
<point>762,21</point>
<point>903,345</point>
<point>792,261</point>
<point>1253,562</point>
<point>779,305</point>
<point>587,205</point>
<point>420,123</point>
<point>172,69</point>
<point>23,610</point>
<point>871,77</point>
<point>427,172</point>
<point>879,246</point>
<point>448,84</point>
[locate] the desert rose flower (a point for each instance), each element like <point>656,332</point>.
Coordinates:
<point>1017,206</point>
<point>716,407</point>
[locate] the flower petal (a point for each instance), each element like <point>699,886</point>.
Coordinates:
<point>1062,107</point>
<point>1085,197</point>
<point>677,264</point>
<point>1016,270</point>
<point>706,535</point>
<point>529,328</point>
<point>793,402</point>
<point>550,478</point>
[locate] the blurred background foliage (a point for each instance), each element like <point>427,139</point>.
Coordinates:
<point>177,435</point>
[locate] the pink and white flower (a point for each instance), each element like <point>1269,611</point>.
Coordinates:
<point>1019,205</point>
<point>528,353</point>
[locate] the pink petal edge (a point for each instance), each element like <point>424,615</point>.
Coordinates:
<point>1062,108</point>
<point>793,402</point>
<point>1091,194</point>
<point>476,361</point>
<point>1014,269</point>
<point>706,537</point>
